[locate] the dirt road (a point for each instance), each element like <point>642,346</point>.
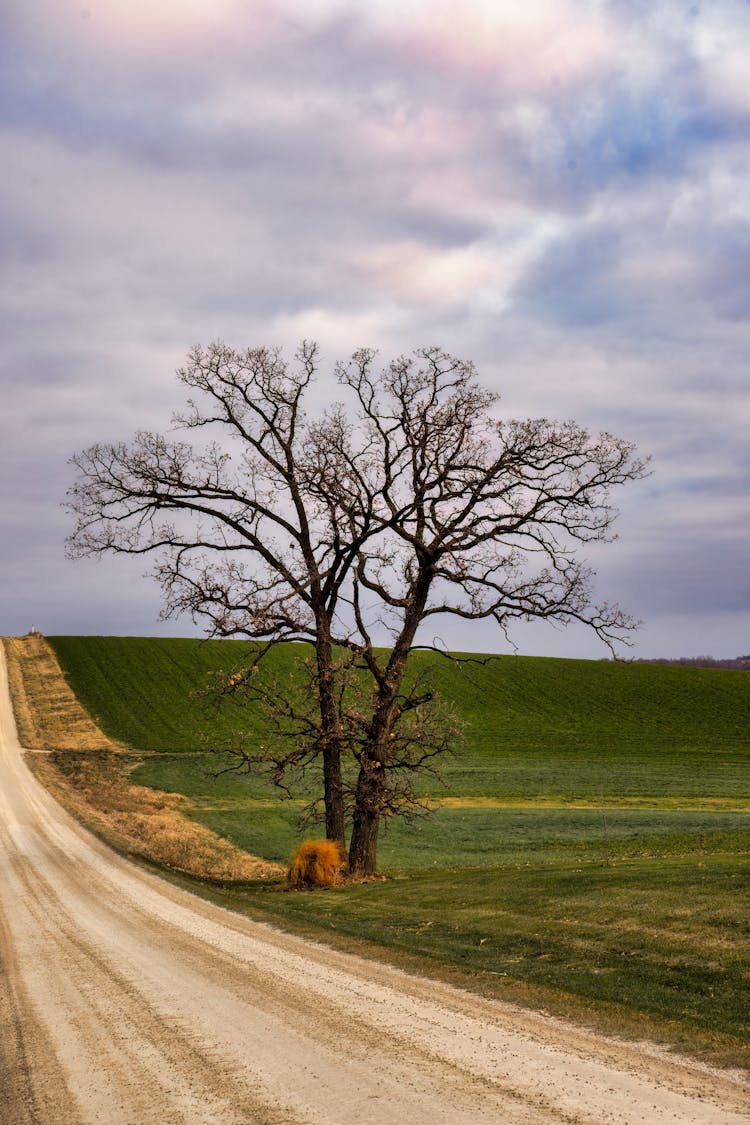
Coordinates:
<point>125,1000</point>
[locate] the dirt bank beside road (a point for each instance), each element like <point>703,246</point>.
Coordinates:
<point>90,775</point>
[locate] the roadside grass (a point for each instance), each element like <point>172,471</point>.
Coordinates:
<point>48,714</point>
<point>590,854</point>
<point>142,822</point>
<point>640,947</point>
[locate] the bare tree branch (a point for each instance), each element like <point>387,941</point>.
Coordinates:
<point>356,526</point>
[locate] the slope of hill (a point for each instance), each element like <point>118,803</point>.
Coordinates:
<point>144,691</point>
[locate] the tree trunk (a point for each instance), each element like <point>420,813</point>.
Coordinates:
<point>333,789</point>
<point>333,793</point>
<point>368,803</point>
<point>363,849</point>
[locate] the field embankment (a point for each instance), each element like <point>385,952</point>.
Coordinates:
<point>89,773</point>
<point>49,716</point>
<point>589,854</point>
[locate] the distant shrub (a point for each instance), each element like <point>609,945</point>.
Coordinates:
<point>316,863</point>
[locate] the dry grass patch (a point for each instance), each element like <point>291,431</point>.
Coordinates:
<point>645,804</point>
<point>140,821</point>
<point>48,715</point>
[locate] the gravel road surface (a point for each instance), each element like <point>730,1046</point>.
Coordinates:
<point>126,1000</point>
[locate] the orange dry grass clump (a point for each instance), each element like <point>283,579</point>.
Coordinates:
<point>316,863</point>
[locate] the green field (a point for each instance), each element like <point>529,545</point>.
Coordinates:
<point>590,855</point>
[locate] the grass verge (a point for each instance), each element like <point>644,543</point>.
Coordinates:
<point>141,822</point>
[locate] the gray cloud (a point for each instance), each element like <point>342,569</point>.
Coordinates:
<point>561,196</point>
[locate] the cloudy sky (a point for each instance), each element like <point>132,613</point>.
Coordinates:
<point>558,190</point>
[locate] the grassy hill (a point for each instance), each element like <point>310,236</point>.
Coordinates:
<point>548,745</point>
<point>592,843</point>
<point>530,721</point>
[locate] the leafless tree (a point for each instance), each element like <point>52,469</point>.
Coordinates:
<point>358,527</point>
